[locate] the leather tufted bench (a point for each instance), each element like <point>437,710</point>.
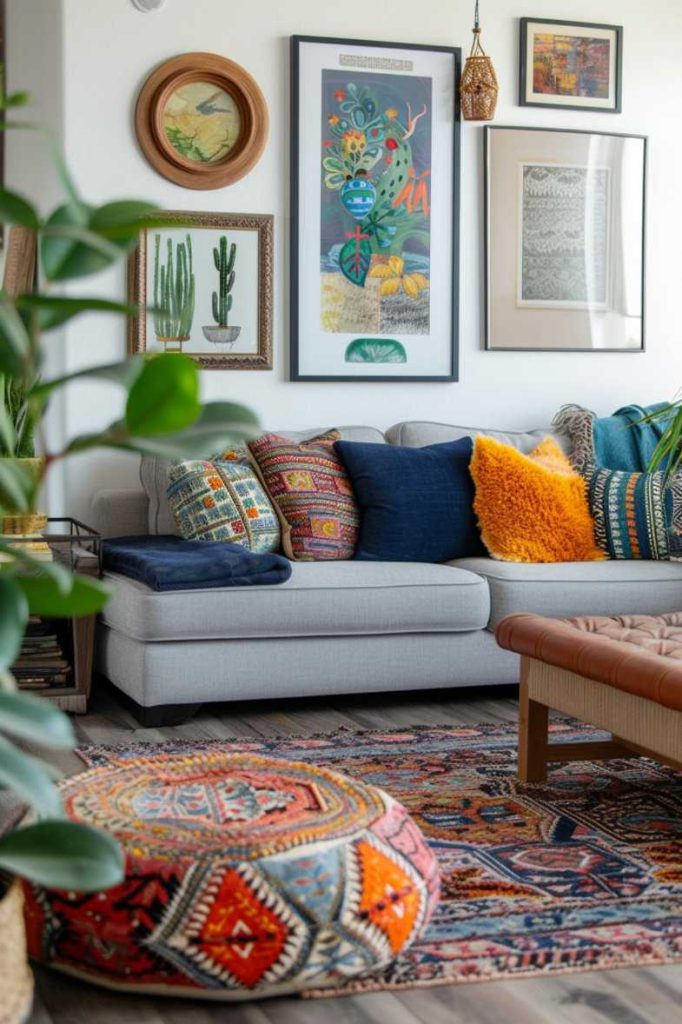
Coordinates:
<point>622,674</point>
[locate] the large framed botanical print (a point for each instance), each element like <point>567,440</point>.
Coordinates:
<point>374,211</point>
<point>202,283</point>
<point>565,232</point>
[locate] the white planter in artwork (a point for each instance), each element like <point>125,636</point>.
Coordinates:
<point>221,335</point>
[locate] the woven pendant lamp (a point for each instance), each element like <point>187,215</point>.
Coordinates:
<point>478,88</point>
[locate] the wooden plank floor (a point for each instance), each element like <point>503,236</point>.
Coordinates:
<point>629,996</point>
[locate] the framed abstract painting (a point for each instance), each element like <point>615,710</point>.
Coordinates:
<point>374,211</point>
<point>202,285</point>
<point>575,66</point>
<point>565,232</point>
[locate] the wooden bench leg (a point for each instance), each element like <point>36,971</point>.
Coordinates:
<point>533,737</point>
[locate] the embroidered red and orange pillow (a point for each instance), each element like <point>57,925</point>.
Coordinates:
<point>312,494</point>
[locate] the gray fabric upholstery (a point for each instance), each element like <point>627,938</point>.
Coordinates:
<point>177,673</point>
<point>579,588</point>
<point>418,433</point>
<point>120,513</point>
<point>320,599</point>
<point>154,474</point>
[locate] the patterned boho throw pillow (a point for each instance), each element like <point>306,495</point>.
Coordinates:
<point>223,500</point>
<point>635,516</point>
<point>531,508</point>
<point>311,490</point>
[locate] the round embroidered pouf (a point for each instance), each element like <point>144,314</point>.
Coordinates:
<point>245,877</point>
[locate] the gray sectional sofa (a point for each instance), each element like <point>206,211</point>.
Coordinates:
<point>340,627</point>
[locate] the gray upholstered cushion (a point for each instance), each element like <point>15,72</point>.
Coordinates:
<point>579,588</point>
<point>320,599</point>
<point>418,433</point>
<point>154,473</point>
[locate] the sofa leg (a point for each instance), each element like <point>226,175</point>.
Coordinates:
<point>162,715</point>
<point>533,734</point>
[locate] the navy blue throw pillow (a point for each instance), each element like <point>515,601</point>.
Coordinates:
<point>416,504</point>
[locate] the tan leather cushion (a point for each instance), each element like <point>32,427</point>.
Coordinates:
<point>640,654</point>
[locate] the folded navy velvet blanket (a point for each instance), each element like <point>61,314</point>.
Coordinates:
<point>170,563</point>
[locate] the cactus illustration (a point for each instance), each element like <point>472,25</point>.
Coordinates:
<point>224,264</point>
<point>174,291</point>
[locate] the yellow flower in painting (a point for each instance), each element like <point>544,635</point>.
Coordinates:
<point>391,113</point>
<point>353,142</point>
<point>393,277</point>
<point>333,119</point>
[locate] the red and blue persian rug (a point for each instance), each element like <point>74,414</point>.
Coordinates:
<point>583,872</point>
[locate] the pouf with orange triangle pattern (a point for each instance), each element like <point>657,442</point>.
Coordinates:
<point>245,877</point>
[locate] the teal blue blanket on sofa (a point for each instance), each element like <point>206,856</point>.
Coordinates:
<point>622,441</point>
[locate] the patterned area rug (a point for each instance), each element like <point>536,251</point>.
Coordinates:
<point>581,873</point>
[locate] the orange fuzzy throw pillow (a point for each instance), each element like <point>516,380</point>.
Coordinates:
<point>531,508</point>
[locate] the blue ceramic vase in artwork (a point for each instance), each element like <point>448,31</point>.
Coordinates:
<point>358,196</point>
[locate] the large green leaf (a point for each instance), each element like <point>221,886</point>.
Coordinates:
<point>124,373</point>
<point>70,250</point>
<point>16,486</point>
<point>26,777</point>
<point>13,619</point>
<point>14,209</point>
<point>164,398</point>
<point>219,425</point>
<point>34,719</point>
<point>86,596</point>
<point>63,855</point>
<point>15,346</point>
<point>21,560</point>
<point>123,220</point>
<point>55,310</point>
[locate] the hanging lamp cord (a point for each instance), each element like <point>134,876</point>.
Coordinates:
<point>477,50</point>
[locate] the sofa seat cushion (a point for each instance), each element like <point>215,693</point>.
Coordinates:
<point>320,599</point>
<point>565,589</point>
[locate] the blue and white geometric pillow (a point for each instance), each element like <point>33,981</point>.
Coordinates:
<point>223,500</point>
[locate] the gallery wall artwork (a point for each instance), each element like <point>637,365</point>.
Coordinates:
<point>565,223</point>
<point>374,168</point>
<point>571,65</point>
<point>203,284</point>
<point>201,120</point>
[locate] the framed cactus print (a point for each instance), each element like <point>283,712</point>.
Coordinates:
<point>202,283</point>
<point>374,211</point>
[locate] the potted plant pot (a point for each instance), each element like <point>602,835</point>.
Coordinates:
<point>26,525</point>
<point>16,991</point>
<point>221,335</point>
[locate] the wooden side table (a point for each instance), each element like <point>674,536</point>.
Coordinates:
<point>79,548</point>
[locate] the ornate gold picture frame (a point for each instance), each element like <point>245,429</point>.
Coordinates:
<point>203,286</point>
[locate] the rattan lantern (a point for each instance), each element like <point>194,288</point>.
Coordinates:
<point>478,88</point>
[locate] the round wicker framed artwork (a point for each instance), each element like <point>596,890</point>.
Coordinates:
<point>201,120</point>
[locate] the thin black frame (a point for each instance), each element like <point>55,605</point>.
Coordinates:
<point>294,374</point>
<point>523,78</point>
<point>486,230</point>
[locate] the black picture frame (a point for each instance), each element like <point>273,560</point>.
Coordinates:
<point>616,30</point>
<point>487,134</point>
<point>295,374</point>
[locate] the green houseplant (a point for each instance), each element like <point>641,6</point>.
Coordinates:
<point>162,415</point>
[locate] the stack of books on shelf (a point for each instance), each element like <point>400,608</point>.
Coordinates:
<point>41,665</point>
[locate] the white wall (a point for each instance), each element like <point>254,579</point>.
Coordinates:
<point>109,48</point>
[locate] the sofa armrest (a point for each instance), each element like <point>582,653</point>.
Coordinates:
<point>120,513</point>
